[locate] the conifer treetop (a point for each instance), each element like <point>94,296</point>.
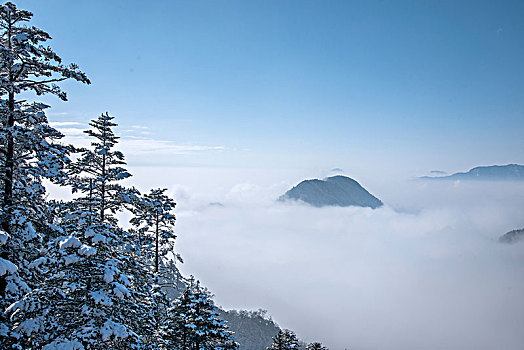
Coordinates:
<point>26,64</point>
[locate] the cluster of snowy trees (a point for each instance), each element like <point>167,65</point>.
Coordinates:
<point>70,276</point>
<point>287,340</point>
<point>284,340</point>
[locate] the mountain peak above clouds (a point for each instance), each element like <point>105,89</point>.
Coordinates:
<point>509,172</point>
<point>337,190</point>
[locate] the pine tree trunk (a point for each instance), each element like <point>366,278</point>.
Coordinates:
<point>9,165</point>
<point>156,250</point>
<point>9,158</point>
<point>103,190</point>
<point>90,206</point>
<point>8,187</point>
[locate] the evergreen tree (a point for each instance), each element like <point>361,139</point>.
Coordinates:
<point>97,172</point>
<point>153,227</point>
<point>316,346</point>
<point>154,221</point>
<point>29,149</point>
<point>87,299</point>
<point>284,340</point>
<point>25,65</point>
<point>194,323</point>
<point>94,295</point>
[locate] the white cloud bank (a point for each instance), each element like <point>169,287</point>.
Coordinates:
<point>356,278</point>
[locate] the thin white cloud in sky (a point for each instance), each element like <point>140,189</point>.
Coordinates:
<point>142,130</point>
<point>72,132</point>
<point>142,146</point>
<point>62,124</point>
<point>134,143</point>
<point>56,114</point>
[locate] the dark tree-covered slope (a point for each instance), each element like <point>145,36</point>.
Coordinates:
<point>252,329</point>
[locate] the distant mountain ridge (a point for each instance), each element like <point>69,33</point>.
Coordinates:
<point>337,190</point>
<point>512,236</point>
<point>510,172</point>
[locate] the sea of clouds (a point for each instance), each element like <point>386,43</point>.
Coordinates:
<point>423,272</point>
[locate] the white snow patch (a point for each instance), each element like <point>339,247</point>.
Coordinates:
<point>120,290</point>
<point>100,297</point>
<point>70,242</point>
<point>29,326</point>
<point>125,279</point>
<point>71,259</point>
<point>64,345</point>
<point>111,328</point>
<point>55,228</point>
<point>108,275</point>
<point>4,236</point>
<point>98,238</point>
<point>89,233</point>
<point>7,267</point>
<point>16,286</point>
<point>72,286</point>
<point>30,230</point>
<point>86,250</point>
<point>36,263</point>
<point>109,271</point>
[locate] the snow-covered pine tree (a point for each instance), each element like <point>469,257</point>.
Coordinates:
<point>153,224</point>
<point>316,346</point>
<point>25,65</point>
<point>37,155</point>
<point>29,151</point>
<point>154,221</point>
<point>94,296</point>
<point>9,272</point>
<point>194,323</point>
<point>284,340</point>
<point>97,173</point>
<point>86,301</point>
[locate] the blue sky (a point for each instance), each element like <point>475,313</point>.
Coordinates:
<point>417,85</point>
